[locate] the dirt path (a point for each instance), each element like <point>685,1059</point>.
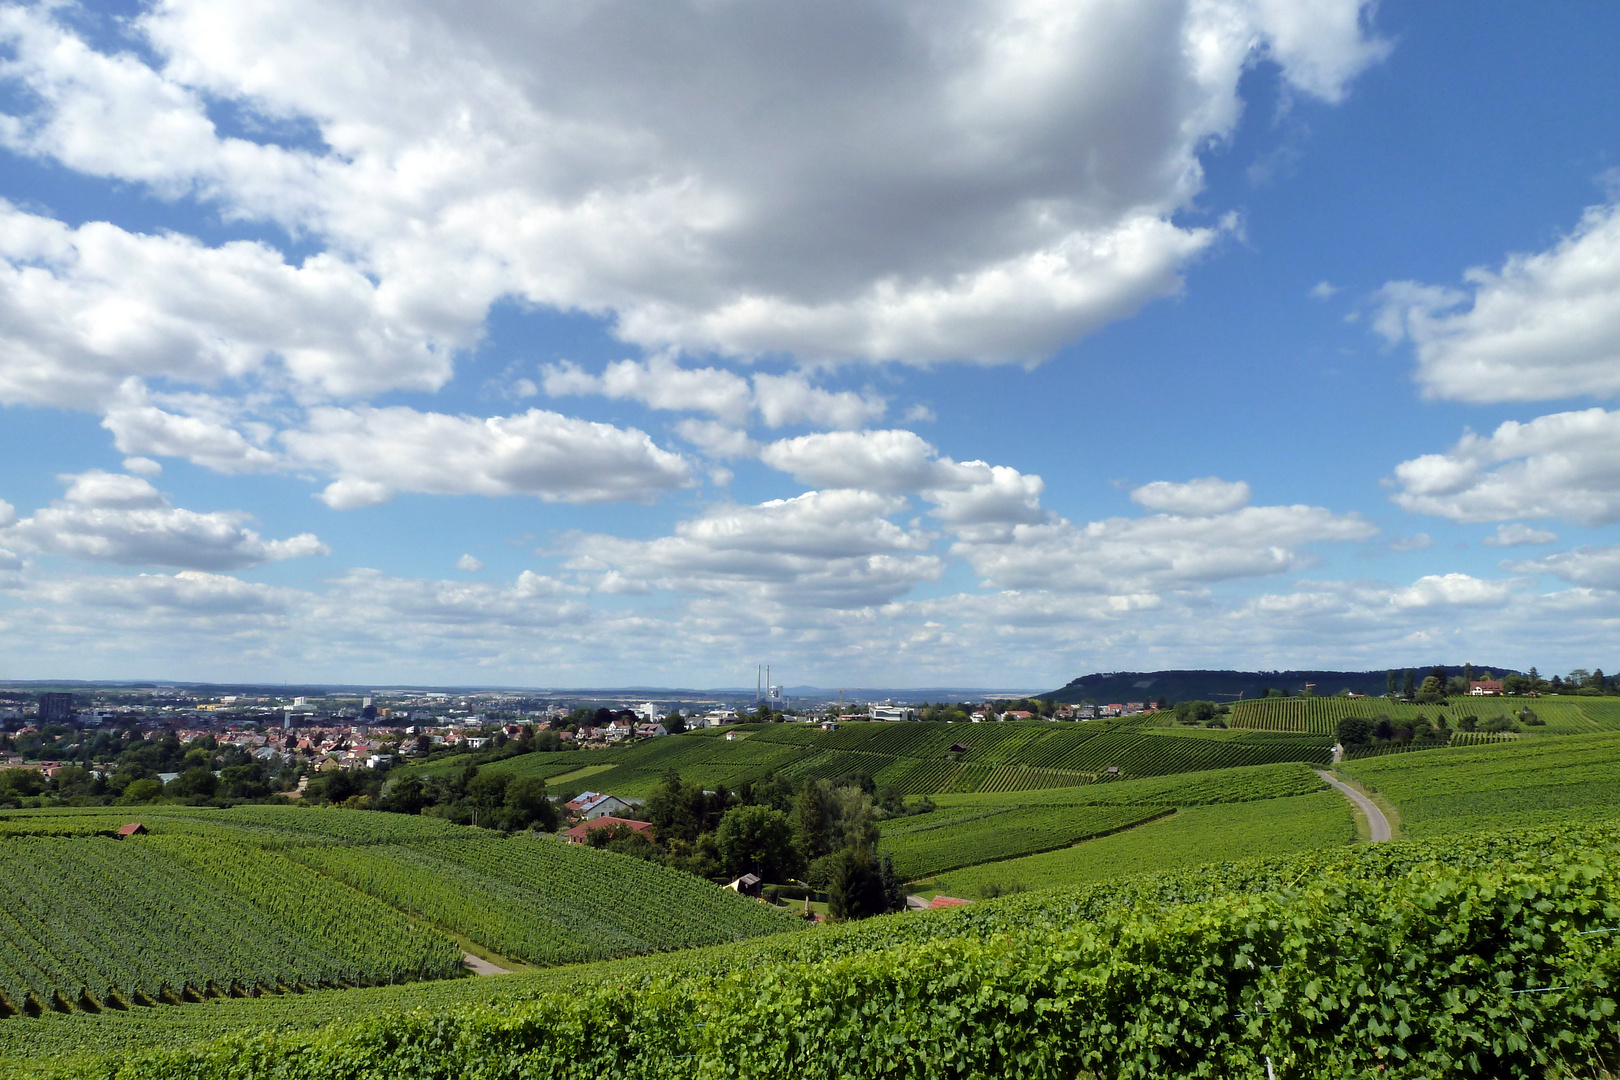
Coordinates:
<point>480,966</point>
<point>1376,821</point>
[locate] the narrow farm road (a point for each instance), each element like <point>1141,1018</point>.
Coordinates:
<point>1376,821</point>
<point>480,966</point>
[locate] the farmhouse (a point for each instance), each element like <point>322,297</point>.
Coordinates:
<point>591,805</point>
<point>1485,688</point>
<point>578,833</point>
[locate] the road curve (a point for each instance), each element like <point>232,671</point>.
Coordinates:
<point>480,966</point>
<point>1376,821</point>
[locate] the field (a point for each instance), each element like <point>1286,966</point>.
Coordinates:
<point>1204,972</point>
<point>1191,836</point>
<point>280,899</point>
<point>916,758</point>
<point>1525,782</point>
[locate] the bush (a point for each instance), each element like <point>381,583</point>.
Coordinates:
<point>1497,724</point>
<point>1355,731</point>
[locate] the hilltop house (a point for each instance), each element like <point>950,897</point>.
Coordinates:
<point>650,730</point>
<point>1485,688</point>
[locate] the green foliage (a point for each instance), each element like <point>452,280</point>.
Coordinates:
<point>95,922</point>
<point>758,840</point>
<point>544,901</point>
<point>1507,783</point>
<point>1355,730</point>
<point>914,758</point>
<point>1190,836</point>
<point>1397,960</point>
<point>947,841</point>
<point>255,898</point>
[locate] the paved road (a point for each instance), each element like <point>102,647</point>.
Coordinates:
<point>480,966</point>
<point>1375,817</point>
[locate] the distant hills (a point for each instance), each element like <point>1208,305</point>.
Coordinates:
<point>1222,686</point>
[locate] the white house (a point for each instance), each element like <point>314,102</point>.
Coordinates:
<point>591,805</point>
<point>893,712</point>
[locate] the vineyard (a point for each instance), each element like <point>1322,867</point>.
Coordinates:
<point>1520,782</point>
<point>1321,716</point>
<point>967,840</point>
<point>1190,836</point>
<point>1506,967</point>
<point>547,902</point>
<point>917,758</point>
<point>263,899</point>
<point>93,922</point>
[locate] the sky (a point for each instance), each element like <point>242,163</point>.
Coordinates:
<point>893,343</point>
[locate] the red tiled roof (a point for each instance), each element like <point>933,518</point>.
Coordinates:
<point>577,833</point>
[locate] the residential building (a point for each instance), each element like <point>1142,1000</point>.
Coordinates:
<point>578,834</point>
<point>591,805</point>
<point>1485,688</point>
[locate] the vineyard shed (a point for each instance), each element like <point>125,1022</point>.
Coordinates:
<point>747,885</point>
<point>134,828</point>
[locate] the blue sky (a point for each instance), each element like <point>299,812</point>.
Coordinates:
<point>899,344</point>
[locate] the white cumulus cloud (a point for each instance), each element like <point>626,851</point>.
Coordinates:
<point>965,494</point>
<point>1543,326</point>
<point>829,181</point>
<point>1596,567</point>
<point>1122,556</point>
<point>376,453</point>
<point>1518,534</point>
<point>1197,498</point>
<point>111,517</point>
<point>824,549</point>
<point>1565,465</point>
